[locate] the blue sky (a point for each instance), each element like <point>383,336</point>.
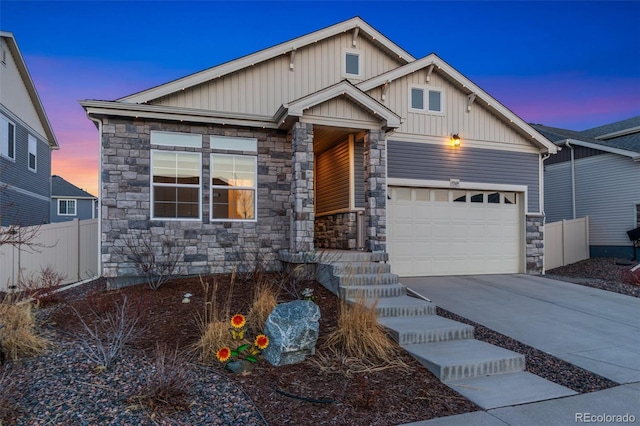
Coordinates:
<point>570,64</point>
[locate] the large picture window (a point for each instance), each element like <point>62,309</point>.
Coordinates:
<point>175,185</point>
<point>233,187</point>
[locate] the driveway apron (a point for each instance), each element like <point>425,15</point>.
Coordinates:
<point>591,328</point>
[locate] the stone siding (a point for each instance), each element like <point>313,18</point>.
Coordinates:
<point>375,195</point>
<point>302,218</point>
<point>337,231</point>
<point>205,246</point>
<point>535,244</point>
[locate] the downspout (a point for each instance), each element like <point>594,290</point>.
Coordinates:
<point>573,178</point>
<point>99,123</point>
<point>541,204</point>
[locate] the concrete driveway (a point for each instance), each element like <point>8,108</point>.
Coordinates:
<point>591,328</point>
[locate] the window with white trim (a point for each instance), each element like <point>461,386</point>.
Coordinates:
<point>33,153</point>
<point>66,207</point>
<point>7,138</point>
<point>426,99</point>
<point>175,185</point>
<point>352,63</point>
<point>233,187</point>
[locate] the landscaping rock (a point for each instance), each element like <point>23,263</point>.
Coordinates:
<point>292,329</point>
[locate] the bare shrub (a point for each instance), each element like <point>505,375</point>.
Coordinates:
<point>169,384</point>
<point>43,286</point>
<point>156,264</point>
<point>103,335</point>
<point>18,334</point>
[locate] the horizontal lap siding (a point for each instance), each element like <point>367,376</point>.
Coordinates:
<point>410,160</point>
<point>557,192</point>
<point>332,185</point>
<point>358,166</point>
<point>607,190</point>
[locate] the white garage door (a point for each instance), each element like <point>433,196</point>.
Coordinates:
<point>437,231</point>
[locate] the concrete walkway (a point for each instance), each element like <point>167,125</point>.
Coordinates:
<point>594,329</point>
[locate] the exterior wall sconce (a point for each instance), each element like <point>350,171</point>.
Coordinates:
<point>455,140</point>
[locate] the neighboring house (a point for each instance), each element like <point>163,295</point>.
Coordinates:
<point>597,174</point>
<point>26,142</point>
<point>69,202</point>
<point>336,139</point>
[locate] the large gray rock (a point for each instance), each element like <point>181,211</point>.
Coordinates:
<point>292,329</point>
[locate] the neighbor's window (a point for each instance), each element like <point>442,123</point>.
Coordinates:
<point>33,151</point>
<point>175,188</point>
<point>66,207</point>
<point>425,99</point>
<point>351,66</point>
<point>7,138</point>
<point>233,187</point>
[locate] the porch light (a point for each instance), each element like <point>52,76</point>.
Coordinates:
<point>455,140</point>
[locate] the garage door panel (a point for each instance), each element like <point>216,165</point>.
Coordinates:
<point>453,238</point>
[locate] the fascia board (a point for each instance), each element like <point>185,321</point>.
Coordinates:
<point>31,88</point>
<point>430,59</point>
<point>297,107</point>
<point>631,154</point>
<point>175,113</point>
<point>263,55</point>
<point>619,133</point>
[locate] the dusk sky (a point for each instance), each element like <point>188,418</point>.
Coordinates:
<point>571,64</point>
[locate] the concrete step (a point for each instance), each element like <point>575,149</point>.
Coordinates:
<point>415,330</point>
<point>464,359</point>
<point>502,390</point>
<point>367,279</point>
<point>354,268</point>
<point>372,291</point>
<point>332,256</point>
<point>401,306</point>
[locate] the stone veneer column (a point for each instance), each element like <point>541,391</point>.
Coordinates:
<point>303,208</point>
<point>535,244</point>
<point>375,197</point>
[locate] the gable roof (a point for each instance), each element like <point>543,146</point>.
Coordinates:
<point>31,88</point>
<point>467,87</point>
<point>344,88</point>
<point>627,145</point>
<point>61,188</point>
<point>355,24</point>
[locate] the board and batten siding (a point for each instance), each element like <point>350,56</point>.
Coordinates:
<point>262,88</point>
<point>332,179</point>
<point>607,190</point>
<point>343,109</point>
<point>478,124</point>
<point>557,192</point>
<point>411,160</point>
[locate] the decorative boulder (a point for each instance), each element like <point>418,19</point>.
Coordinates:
<point>292,329</point>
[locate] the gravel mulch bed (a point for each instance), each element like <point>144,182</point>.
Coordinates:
<point>609,274</point>
<point>60,387</point>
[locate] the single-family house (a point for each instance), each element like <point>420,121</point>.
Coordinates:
<point>597,174</point>
<point>69,202</point>
<point>26,142</point>
<point>336,139</point>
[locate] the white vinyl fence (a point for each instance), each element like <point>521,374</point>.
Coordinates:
<point>566,242</point>
<point>69,248</point>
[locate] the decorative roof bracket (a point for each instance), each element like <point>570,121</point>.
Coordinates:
<point>429,71</point>
<point>385,87</point>
<point>293,55</point>
<point>356,30</point>
<point>470,99</point>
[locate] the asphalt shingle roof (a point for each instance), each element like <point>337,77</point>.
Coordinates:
<point>62,188</point>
